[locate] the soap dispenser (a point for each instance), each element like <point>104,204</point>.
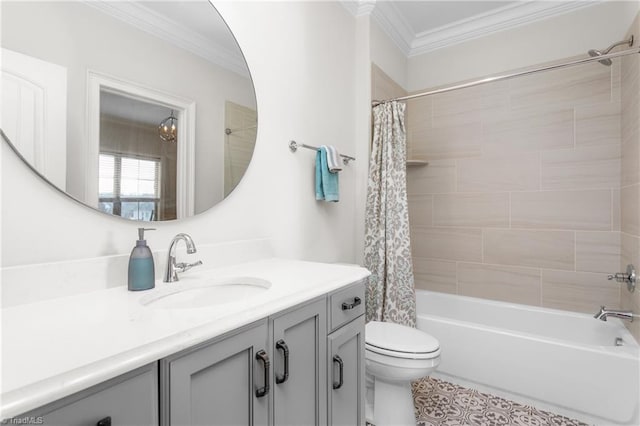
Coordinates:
<point>141,269</point>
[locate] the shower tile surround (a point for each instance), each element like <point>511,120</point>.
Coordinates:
<point>630,174</point>
<point>521,202</point>
<point>532,192</point>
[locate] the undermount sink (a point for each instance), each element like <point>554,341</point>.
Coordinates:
<point>207,293</point>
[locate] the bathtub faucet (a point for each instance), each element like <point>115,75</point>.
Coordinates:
<point>604,313</point>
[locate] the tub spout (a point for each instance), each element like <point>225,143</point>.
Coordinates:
<point>604,313</point>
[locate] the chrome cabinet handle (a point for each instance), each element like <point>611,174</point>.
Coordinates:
<point>337,359</point>
<point>281,345</point>
<point>104,422</point>
<point>346,306</point>
<point>262,356</point>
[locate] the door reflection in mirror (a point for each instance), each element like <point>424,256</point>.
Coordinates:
<point>137,168</point>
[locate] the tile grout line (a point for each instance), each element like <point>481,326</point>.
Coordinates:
<point>575,251</point>
<point>575,125</point>
<point>433,209</point>
<point>541,289</point>
<point>612,211</point>
<point>539,171</point>
<point>510,219</point>
<point>525,191</point>
<point>482,246</point>
<point>456,176</point>
<point>456,278</point>
<point>509,266</point>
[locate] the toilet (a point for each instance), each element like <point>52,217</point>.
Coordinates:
<point>394,356</point>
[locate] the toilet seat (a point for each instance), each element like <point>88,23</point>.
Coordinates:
<point>395,355</point>
<point>400,341</point>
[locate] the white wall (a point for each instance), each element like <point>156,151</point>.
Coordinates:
<point>567,35</point>
<point>81,38</point>
<point>386,55</point>
<point>302,57</point>
<point>362,75</point>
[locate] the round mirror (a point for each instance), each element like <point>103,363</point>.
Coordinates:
<point>140,109</point>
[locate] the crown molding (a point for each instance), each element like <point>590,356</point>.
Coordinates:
<point>359,8</point>
<point>504,18</point>
<point>149,21</point>
<point>389,18</point>
<point>501,19</point>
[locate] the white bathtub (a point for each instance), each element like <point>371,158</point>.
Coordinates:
<point>562,361</point>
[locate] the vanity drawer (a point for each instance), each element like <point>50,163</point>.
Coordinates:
<point>346,305</point>
<point>130,399</point>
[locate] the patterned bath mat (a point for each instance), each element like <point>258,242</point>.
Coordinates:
<point>440,403</point>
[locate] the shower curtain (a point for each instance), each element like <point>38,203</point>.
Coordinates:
<point>387,254</point>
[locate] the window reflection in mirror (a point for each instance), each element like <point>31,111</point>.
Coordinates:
<point>129,187</point>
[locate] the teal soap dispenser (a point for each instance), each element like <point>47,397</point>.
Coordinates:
<point>142,274</point>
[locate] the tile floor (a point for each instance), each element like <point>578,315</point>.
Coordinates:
<point>440,403</point>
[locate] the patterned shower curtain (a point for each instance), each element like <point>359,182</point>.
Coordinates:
<point>387,254</point>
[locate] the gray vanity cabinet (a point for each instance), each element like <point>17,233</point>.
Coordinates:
<point>300,367</point>
<point>346,375</point>
<point>222,383</point>
<point>345,361</point>
<point>299,354</point>
<point>226,383</point>
<point>129,399</point>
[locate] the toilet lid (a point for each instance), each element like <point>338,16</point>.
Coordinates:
<point>400,341</point>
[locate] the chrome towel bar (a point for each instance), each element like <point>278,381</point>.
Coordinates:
<point>293,146</point>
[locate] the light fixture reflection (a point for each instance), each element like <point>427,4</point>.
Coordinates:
<point>168,128</point>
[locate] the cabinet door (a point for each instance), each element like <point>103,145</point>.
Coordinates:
<point>346,375</point>
<point>216,385</point>
<point>130,399</point>
<point>299,358</point>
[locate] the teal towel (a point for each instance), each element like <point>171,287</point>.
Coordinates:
<point>327,184</point>
<point>319,190</point>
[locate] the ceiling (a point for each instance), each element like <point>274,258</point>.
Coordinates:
<point>134,110</point>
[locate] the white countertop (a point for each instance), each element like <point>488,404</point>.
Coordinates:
<point>57,347</point>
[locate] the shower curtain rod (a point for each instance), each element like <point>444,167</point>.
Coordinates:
<point>511,75</point>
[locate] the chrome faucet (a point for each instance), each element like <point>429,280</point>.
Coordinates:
<point>604,313</point>
<point>172,269</point>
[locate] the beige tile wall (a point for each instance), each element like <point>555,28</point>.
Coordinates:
<point>520,201</point>
<point>630,175</point>
<point>532,192</point>
<point>383,86</point>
